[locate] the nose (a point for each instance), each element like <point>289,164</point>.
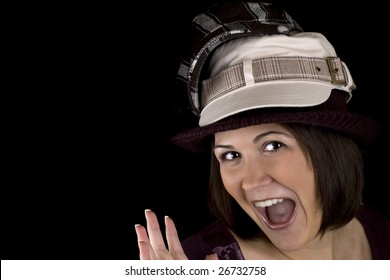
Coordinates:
<point>255,174</point>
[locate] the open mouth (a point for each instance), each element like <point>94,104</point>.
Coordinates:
<point>277,213</point>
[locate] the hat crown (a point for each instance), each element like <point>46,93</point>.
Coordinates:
<point>305,44</point>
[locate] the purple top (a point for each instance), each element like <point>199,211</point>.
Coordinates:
<point>216,238</point>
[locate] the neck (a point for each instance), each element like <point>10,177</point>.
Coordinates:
<point>348,242</point>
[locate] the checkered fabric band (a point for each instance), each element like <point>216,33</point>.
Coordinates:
<point>330,70</point>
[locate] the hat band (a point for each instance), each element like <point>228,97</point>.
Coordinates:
<point>251,72</point>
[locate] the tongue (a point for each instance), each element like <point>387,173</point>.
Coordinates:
<point>280,212</point>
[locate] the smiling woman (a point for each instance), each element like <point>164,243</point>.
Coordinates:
<point>271,171</point>
<point>287,171</point>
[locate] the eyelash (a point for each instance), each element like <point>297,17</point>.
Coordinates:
<point>276,146</point>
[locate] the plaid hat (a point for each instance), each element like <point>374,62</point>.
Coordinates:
<point>251,63</point>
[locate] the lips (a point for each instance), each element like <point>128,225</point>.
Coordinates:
<point>277,213</point>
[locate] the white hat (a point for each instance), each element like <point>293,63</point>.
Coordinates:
<point>271,71</point>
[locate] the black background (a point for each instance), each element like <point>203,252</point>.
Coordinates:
<point>92,99</point>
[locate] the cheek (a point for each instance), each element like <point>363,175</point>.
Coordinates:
<point>295,170</point>
<point>301,177</point>
<point>232,182</point>
<point>296,174</point>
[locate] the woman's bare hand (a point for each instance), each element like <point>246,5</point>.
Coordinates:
<point>151,243</point>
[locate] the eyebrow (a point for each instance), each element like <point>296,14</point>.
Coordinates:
<point>257,138</point>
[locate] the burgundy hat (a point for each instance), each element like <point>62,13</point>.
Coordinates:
<point>252,64</point>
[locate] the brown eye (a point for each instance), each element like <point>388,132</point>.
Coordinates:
<point>229,156</point>
<point>272,146</point>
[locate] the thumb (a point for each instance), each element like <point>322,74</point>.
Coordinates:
<point>211,257</point>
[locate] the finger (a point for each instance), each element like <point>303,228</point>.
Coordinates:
<point>155,236</point>
<point>173,240</point>
<point>143,243</point>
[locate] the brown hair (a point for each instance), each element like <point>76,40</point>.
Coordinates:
<point>338,169</point>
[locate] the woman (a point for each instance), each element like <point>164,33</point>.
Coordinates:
<point>287,171</point>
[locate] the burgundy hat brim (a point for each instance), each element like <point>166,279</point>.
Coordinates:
<point>332,114</point>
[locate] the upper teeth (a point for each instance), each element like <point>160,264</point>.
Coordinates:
<point>268,202</point>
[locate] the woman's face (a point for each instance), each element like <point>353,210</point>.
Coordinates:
<point>265,171</point>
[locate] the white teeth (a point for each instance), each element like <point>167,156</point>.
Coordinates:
<point>268,202</point>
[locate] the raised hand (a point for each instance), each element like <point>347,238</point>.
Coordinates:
<point>151,243</point>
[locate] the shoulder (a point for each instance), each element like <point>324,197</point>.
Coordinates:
<point>215,238</point>
<point>377,229</point>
